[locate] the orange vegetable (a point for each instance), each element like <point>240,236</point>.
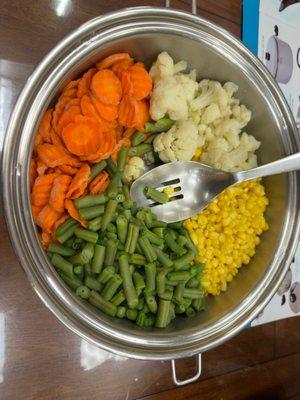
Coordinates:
<point>140,64</point>
<point>72,84</point>
<point>105,150</point>
<point>45,126</point>
<point>141,82</point>
<point>41,167</point>
<point>73,212</point>
<point>85,82</point>
<point>45,239</point>
<point>71,102</point>
<point>32,173</point>
<point>53,155</point>
<point>129,132</point>
<point>142,115</point>
<point>41,189</point>
<point>37,141</point>
<point>107,112</point>
<point>60,221</point>
<point>106,87</point>
<point>127,86</point>
<point>88,108</point>
<point>121,66</point>
<point>79,182</point>
<point>67,117</point>
<point>113,59</point>
<point>119,132</point>
<point>58,192</point>
<point>67,169</point>
<point>47,218</point>
<point>128,110</point>
<point>35,211</point>
<point>99,184</point>
<point>71,92</point>
<point>82,137</point>
<point>56,140</point>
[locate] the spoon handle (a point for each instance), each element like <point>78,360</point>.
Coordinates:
<point>287,164</point>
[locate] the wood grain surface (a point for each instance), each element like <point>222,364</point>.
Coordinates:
<point>41,359</point>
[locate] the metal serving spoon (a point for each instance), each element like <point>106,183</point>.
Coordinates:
<point>197,184</point>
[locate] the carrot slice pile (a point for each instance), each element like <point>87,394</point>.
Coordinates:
<point>92,119</point>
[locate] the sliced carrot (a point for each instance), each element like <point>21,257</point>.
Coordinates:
<point>35,211</point>
<point>126,82</point>
<point>32,173</point>
<point>106,87</point>
<point>107,112</point>
<point>112,59</point>
<point>88,108</point>
<point>142,115</point>
<point>67,169</point>
<point>79,182</point>
<point>60,221</point>
<point>85,82</point>
<point>128,111</point>
<point>56,140</point>
<point>58,110</point>
<point>121,66</point>
<point>47,218</point>
<point>45,126</point>
<point>74,213</point>
<point>83,136</point>
<point>71,103</point>
<point>37,141</point>
<point>41,189</point>
<point>99,184</point>
<point>52,155</point>
<point>72,84</point>
<point>45,239</point>
<point>140,64</point>
<point>41,167</point>
<point>141,81</point>
<point>67,117</point>
<point>105,150</point>
<point>71,92</point>
<point>58,192</point>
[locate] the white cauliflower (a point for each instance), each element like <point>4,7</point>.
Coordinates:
<point>164,66</point>
<point>210,114</point>
<point>134,169</point>
<point>179,143</point>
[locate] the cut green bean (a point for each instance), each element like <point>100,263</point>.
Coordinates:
<point>138,280</point>
<point>178,293</point>
<point>134,239</point>
<point>120,198</point>
<point>98,258</point>
<point>153,238</point>
<point>63,265</point>
<point>91,212</point>
<point>95,224</point>
<point>138,138</point>
<point>162,125</point>
<point>150,278</point>
<point>161,281</point>
<point>110,252</point>
<point>141,319</point>
<point>118,298</point>
<point>147,249</point>
<point>65,226</point>
<point>166,295</point>
<point>132,314</point>
<point>78,269</point>
<point>86,235</point>
<point>128,237</point>
<point>111,287</point>
<point>122,158</point>
<point>63,251</point>
<point>67,233</point>
<point>93,283</point>
<point>113,187</point>
<point>106,274</point>
<point>192,293</point>
<point>184,260</point>
<point>83,292</point>
<point>158,224</point>
<point>112,236</point>
<point>73,282</point>
<point>111,165</point>
<point>90,201</point>
<point>77,244</point>
<point>181,240</point>
<point>110,210</point>
<point>96,169</point>
<point>193,282</point>
<point>190,312</point>
<point>121,312</point>
<point>199,304</point>
<point>137,259</point>
<point>156,195</point>
<point>162,313</point>
<point>160,232</point>
<point>150,140</point>
<point>152,304</point>
<point>140,149</point>
<point>128,287</point>
<point>173,246</point>
<point>141,304</point>
<point>179,276</point>
<point>162,257</point>
<point>107,307</point>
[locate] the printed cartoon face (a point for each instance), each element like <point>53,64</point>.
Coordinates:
<point>285,284</point>
<point>294,299</point>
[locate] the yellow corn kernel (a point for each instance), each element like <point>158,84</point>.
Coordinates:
<point>169,191</point>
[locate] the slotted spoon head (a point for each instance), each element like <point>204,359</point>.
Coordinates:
<point>195,186</point>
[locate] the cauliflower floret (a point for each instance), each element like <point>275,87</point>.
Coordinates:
<point>248,142</point>
<point>210,92</point>
<point>179,143</point>
<point>230,88</point>
<point>163,67</point>
<point>242,114</point>
<point>134,169</point>
<point>189,86</point>
<point>210,114</point>
<point>179,67</point>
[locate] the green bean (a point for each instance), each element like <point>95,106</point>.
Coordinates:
<point>126,192</point>
<point>127,214</point>
<point>93,283</point>
<point>107,307</point>
<point>98,258</point>
<point>137,259</point>
<point>87,269</point>
<point>193,282</point>
<point>161,280</point>
<point>95,224</point>
<point>160,232</point>
<point>110,252</point>
<point>118,298</point>
<point>120,198</point>
<point>183,260</point>
<point>63,251</point>
<point>171,283</point>
<point>141,304</point>
<point>65,226</point>
<point>167,295</point>
<point>179,276</point>
<point>128,287</point>
<point>158,224</point>
<point>83,292</point>
<point>153,238</point>
<point>111,287</point>
<point>197,269</point>
<point>152,304</point>
<point>172,314</point>
<point>141,319</point>
<point>73,282</point>
<point>111,228</point>
<point>182,240</point>
<point>162,125</point>
<point>173,246</point>
<point>132,314</point>
<point>163,258</point>
<point>128,204</point>
<point>146,309</point>
<point>77,243</point>
<point>134,239</point>
<point>138,280</point>
<point>91,212</point>
<point>186,302</point>
<point>190,312</point>
<point>113,187</point>
<point>192,293</point>
<point>63,265</point>
<point>67,233</point>
<point>90,201</point>
<point>150,320</point>
<point>112,236</point>
<point>86,235</point>
<point>122,158</point>
<point>156,195</point>
<point>106,274</point>
<point>189,242</point>
<point>151,138</point>
<point>96,169</point>
<point>121,312</point>
<point>131,269</point>
<point>150,278</point>
<point>175,225</point>
<point>147,249</point>
<point>111,165</point>
<point>199,304</point>
<point>148,220</point>
<point>178,293</point>
<point>140,149</point>
<point>138,138</point>
<point>69,243</point>
<point>129,237</point>
<point>162,313</point>
<point>78,269</point>
<point>110,210</point>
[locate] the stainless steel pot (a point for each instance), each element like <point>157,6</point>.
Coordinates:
<point>216,54</point>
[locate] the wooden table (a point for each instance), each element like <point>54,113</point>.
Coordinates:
<point>42,359</point>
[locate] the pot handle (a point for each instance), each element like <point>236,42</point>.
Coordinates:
<point>194,5</point>
<point>189,380</point>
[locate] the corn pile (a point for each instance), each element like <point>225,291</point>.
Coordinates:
<point>227,232</point>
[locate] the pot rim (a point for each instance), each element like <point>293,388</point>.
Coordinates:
<point>25,118</point>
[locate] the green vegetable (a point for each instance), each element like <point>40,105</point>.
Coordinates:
<point>162,125</point>
<point>156,195</point>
